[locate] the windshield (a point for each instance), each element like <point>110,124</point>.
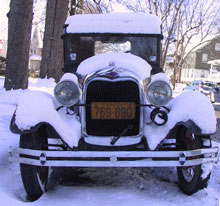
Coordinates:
<point>79,48</point>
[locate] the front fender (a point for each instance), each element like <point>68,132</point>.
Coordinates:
<point>14,128</point>
<point>190,109</point>
<point>37,108</point>
<point>191,126</point>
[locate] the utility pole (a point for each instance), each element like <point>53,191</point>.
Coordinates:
<point>176,51</point>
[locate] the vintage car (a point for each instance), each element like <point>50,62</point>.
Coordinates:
<point>113,107</point>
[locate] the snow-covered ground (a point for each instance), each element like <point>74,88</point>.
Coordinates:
<point>151,186</point>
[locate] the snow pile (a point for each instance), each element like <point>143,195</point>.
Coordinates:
<point>188,106</point>
<point>120,60</point>
<point>135,23</point>
<point>35,107</point>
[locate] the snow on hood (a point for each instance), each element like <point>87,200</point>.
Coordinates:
<point>189,105</point>
<point>135,23</point>
<point>120,60</point>
<point>35,107</point>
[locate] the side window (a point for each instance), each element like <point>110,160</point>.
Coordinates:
<point>204,58</point>
<point>217,47</point>
<point>202,74</point>
<point>145,48</point>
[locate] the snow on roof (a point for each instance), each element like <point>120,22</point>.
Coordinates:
<point>35,57</point>
<point>204,44</point>
<point>135,23</point>
<point>120,60</point>
<point>214,62</point>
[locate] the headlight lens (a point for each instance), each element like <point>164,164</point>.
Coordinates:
<point>159,93</point>
<point>67,93</point>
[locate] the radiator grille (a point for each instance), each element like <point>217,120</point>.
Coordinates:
<point>106,91</point>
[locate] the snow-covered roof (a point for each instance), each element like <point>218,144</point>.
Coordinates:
<point>135,23</point>
<point>214,62</point>
<point>201,46</point>
<point>205,42</point>
<point>35,57</point>
<point>120,60</point>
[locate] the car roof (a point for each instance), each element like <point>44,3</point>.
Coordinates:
<point>124,23</point>
<point>197,81</point>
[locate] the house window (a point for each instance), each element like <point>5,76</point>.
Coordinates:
<point>204,58</point>
<point>191,73</point>
<point>202,74</point>
<point>217,47</point>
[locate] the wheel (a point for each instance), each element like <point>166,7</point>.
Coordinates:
<point>34,178</point>
<point>190,178</point>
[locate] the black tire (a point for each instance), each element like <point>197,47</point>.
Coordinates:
<point>190,178</point>
<point>34,178</point>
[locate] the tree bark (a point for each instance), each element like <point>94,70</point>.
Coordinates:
<point>19,35</point>
<point>52,54</point>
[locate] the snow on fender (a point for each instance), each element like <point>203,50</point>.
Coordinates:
<point>189,105</point>
<point>35,107</point>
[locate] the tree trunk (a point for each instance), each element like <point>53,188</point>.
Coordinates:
<point>19,35</point>
<point>52,54</point>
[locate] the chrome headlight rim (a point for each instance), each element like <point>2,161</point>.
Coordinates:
<point>161,85</point>
<point>67,93</point>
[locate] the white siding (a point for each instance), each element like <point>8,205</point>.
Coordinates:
<point>4,9</point>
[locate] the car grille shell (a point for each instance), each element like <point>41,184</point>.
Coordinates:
<point>112,91</point>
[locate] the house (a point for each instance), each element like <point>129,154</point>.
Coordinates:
<point>36,46</point>
<point>4,8</point>
<point>36,39</point>
<point>200,62</point>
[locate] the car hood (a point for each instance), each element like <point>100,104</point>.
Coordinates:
<point>115,59</point>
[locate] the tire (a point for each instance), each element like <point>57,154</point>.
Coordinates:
<point>190,178</point>
<point>34,178</point>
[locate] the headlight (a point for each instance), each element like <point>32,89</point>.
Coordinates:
<point>67,93</point>
<point>159,93</point>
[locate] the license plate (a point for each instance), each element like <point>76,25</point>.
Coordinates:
<point>113,110</point>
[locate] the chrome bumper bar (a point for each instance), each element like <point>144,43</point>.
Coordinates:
<point>113,158</point>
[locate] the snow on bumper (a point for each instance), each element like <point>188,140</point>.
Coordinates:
<point>113,158</point>
<point>36,107</point>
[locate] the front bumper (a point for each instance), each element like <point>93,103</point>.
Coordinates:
<point>114,158</point>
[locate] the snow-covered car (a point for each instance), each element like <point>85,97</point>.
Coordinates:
<point>113,107</point>
<point>207,88</point>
